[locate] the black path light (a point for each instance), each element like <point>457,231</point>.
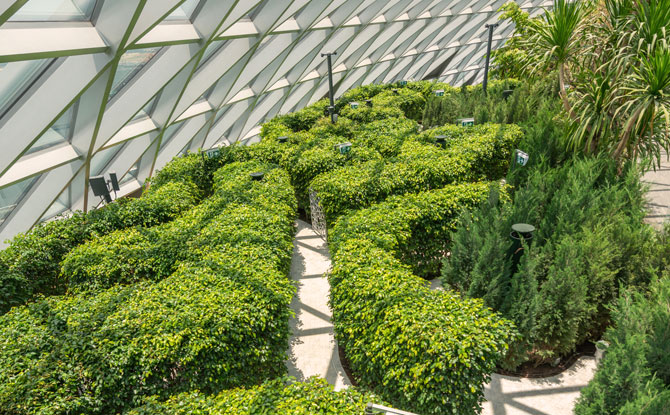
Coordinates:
<point>521,232</point>
<point>331,109</point>
<point>490,27</point>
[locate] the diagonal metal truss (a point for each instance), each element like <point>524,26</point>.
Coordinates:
<point>89,87</point>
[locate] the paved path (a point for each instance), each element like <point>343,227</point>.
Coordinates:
<point>659,194</point>
<point>555,395</point>
<point>313,351</point>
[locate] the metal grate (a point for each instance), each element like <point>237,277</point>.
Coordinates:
<point>318,218</point>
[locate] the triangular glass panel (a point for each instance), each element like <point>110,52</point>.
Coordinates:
<point>131,175</point>
<point>10,196</point>
<point>16,78</point>
<point>146,111</point>
<point>58,133</point>
<point>54,11</point>
<point>130,64</point>
<point>184,12</point>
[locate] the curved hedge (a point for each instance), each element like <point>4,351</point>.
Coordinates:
<point>219,321</point>
<point>30,265</point>
<point>279,396</point>
<point>483,153</point>
<point>426,351</point>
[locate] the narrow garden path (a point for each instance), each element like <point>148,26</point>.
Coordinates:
<point>658,197</point>
<point>313,351</point>
<point>554,395</point>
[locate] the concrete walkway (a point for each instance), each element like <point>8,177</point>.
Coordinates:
<point>658,197</point>
<point>313,351</point>
<point>554,395</point>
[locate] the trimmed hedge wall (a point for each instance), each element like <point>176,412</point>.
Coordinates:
<point>279,396</point>
<point>426,351</point>
<point>219,321</point>
<point>30,265</point>
<point>482,154</point>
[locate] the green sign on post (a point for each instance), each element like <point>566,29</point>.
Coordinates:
<point>343,148</point>
<point>353,105</point>
<point>521,158</point>
<point>466,122</point>
<point>213,153</point>
<point>403,83</point>
<point>439,93</point>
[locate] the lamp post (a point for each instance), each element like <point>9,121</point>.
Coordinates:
<point>490,27</point>
<point>331,109</point>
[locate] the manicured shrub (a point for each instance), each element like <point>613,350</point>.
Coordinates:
<point>634,375</point>
<point>385,136</point>
<point>418,167</point>
<point>416,227</point>
<point>305,118</point>
<point>219,321</point>
<point>30,265</point>
<point>134,254</point>
<point>279,396</point>
<point>425,351</point>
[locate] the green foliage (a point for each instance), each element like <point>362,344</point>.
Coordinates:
<point>30,265</point>
<point>304,119</point>
<point>427,351</point>
<point>133,254</point>
<point>591,239</point>
<point>633,377</point>
<point>484,153</point>
<point>279,396</point>
<point>521,106</point>
<point>415,226</point>
<point>219,321</point>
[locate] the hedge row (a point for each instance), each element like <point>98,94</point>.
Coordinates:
<point>279,396</point>
<point>590,240</point>
<point>480,153</point>
<point>634,376</point>
<point>219,321</point>
<point>426,351</point>
<point>30,265</point>
<point>310,153</point>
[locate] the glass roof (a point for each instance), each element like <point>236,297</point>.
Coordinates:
<point>54,10</point>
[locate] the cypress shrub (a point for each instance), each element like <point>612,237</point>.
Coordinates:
<point>634,375</point>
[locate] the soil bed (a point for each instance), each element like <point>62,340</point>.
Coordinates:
<point>530,370</point>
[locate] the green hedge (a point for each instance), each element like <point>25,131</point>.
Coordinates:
<point>136,254</point>
<point>219,321</point>
<point>481,153</point>
<point>279,396</point>
<point>30,265</point>
<point>634,376</point>
<point>426,351</point>
<point>416,227</point>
